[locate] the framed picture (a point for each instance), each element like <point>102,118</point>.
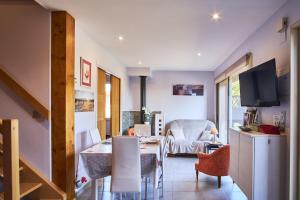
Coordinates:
<point>84,105</point>
<point>85,72</point>
<point>188,90</point>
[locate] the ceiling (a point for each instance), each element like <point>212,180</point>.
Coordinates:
<point>168,34</point>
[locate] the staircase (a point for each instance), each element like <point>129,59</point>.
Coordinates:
<point>20,179</point>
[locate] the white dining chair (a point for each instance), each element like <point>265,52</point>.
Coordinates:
<point>142,130</point>
<point>95,136</point>
<point>126,166</point>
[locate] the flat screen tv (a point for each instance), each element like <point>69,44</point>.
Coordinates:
<point>259,86</point>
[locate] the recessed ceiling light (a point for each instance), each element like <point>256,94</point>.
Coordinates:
<point>121,37</point>
<point>199,54</point>
<point>140,62</point>
<point>216,16</point>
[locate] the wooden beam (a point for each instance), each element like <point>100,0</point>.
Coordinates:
<point>62,101</point>
<point>24,94</point>
<point>101,121</point>
<point>115,105</point>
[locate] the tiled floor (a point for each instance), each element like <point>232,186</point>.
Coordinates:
<point>179,184</point>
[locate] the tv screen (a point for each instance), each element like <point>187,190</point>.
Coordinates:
<point>259,86</point>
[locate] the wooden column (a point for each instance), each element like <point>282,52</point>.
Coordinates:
<point>62,101</point>
<point>115,106</point>
<point>11,182</point>
<point>101,120</point>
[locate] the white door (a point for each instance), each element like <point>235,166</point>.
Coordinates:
<point>223,111</point>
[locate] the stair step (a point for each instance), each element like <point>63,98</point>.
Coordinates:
<point>1,171</point>
<point>26,188</point>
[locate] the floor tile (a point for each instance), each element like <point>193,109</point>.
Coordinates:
<point>179,184</point>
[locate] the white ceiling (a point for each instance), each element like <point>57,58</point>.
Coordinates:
<point>168,34</point>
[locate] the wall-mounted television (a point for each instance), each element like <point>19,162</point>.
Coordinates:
<point>259,86</point>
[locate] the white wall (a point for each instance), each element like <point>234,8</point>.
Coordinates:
<point>25,54</point>
<point>265,44</point>
<point>90,50</point>
<point>160,98</point>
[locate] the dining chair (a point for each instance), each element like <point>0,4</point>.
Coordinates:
<point>142,130</point>
<point>126,166</point>
<point>95,136</point>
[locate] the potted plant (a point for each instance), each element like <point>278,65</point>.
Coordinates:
<point>147,115</point>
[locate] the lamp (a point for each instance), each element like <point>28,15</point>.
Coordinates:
<point>214,132</point>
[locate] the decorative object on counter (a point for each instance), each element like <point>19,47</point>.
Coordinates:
<point>269,129</point>
<point>188,90</point>
<point>279,120</point>
<point>214,132</point>
<point>250,117</point>
<point>130,131</point>
<point>244,128</point>
<point>147,115</point>
<point>85,73</point>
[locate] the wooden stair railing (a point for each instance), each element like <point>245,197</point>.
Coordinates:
<point>19,178</point>
<point>24,94</point>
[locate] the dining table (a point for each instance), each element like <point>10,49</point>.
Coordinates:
<point>97,160</point>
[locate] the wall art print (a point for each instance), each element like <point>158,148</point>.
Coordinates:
<point>85,73</point>
<point>188,90</point>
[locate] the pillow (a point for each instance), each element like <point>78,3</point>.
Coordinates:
<point>206,136</point>
<point>178,134</point>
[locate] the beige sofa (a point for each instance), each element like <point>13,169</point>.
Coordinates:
<point>196,133</point>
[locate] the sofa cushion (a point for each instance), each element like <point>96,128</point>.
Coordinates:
<point>178,134</point>
<point>192,129</point>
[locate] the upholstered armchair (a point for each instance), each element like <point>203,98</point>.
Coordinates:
<point>214,164</point>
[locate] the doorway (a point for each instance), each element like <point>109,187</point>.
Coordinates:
<point>222,107</point>
<point>108,106</point>
<point>108,112</point>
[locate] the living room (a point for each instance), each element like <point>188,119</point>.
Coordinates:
<point>168,72</point>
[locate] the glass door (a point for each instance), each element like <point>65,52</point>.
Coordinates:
<point>222,105</point>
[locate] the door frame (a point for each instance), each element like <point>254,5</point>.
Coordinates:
<point>120,99</point>
<point>294,140</point>
<point>217,106</point>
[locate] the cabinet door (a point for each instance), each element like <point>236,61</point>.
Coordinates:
<point>234,154</point>
<point>246,165</point>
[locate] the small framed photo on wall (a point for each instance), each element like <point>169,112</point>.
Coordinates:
<point>85,72</point>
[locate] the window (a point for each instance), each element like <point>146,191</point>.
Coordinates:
<point>107,99</point>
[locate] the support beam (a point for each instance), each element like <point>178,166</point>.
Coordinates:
<point>62,101</point>
<point>143,97</point>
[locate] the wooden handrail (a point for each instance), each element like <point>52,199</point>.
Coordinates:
<point>24,94</point>
<point>11,182</point>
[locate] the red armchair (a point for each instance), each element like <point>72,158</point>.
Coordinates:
<point>214,164</point>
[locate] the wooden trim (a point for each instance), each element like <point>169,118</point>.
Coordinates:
<point>101,118</point>
<point>294,171</point>
<point>115,106</point>
<point>62,98</point>
<point>11,182</point>
<point>24,94</point>
<point>244,61</point>
<point>298,110</point>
